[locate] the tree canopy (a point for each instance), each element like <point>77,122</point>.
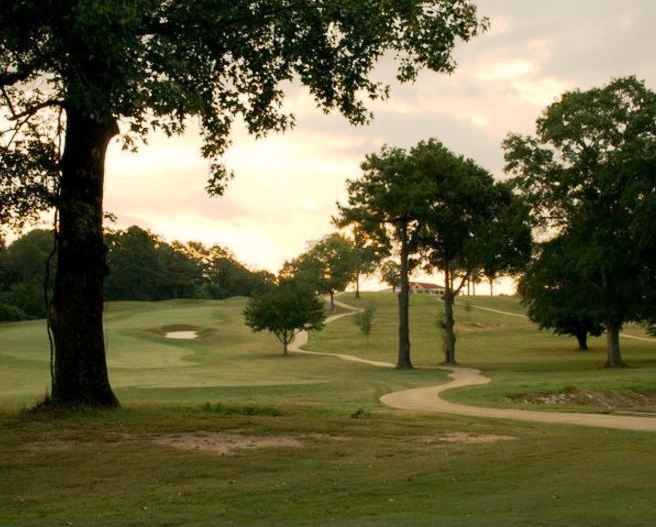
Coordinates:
<point>285,310</point>
<point>327,267</point>
<point>589,170</point>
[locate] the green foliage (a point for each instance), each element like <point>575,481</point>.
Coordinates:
<point>588,175</point>
<point>327,267</point>
<point>555,295</point>
<point>23,274</point>
<point>390,273</point>
<point>285,310</point>
<point>9,313</point>
<point>142,267</point>
<point>366,319</point>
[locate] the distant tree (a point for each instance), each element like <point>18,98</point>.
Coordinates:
<point>470,220</point>
<point>388,201</point>
<point>285,310</point>
<point>390,273</point>
<point>556,296</point>
<point>508,239</point>
<point>70,72</point>
<point>589,170</point>
<point>366,318</point>
<point>23,268</point>
<point>327,267</point>
<point>133,256</point>
<point>367,252</point>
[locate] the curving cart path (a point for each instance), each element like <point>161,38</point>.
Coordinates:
<point>427,399</point>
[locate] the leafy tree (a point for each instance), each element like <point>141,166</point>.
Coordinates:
<point>388,201</point>
<point>327,267</point>
<point>390,273</point>
<point>152,64</point>
<point>285,310</point>
<point>555,294</point>
<point>469,220</point>
<point>365,319</point>
<point>589,170</point>
<point>367,252</point>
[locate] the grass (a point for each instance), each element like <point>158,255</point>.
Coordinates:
<point>383,468</point>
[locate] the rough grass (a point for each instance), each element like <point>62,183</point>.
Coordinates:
<point>384,467</point>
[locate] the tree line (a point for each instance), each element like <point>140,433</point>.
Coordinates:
<point>142,266</point>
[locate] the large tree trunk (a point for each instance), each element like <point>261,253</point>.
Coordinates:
<point>76,313</point>
<point>491,280</point>
<point>449,322</point>
<point>332,300</point>
<point>404,304</point>
<point>582,338</point>
<point>357,285</point>
<point>613,346</point>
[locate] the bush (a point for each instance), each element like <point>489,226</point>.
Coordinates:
<point>10,313</point>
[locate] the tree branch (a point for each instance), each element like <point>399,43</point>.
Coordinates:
<point>29,112</point>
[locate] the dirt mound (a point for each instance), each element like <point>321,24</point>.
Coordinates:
<point>588,398</point>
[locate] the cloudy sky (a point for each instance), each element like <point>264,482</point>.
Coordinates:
<point>287,185</point>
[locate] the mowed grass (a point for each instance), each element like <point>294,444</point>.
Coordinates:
<point>385,468</point>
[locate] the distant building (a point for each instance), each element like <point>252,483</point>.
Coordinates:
<point>424,288</point>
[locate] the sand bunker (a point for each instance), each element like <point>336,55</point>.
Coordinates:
<point>223,443</point>
<point>181,335</point>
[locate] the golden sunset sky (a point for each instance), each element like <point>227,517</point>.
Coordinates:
<point>286,185</point>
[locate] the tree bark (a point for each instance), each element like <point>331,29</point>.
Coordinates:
<point>404,362</point>
<point>582,338</point>
<point>332,300</point>
<point>76,313</point>
<point>449,322</point>
<point>357,285</point>
<point>491,280</point>
<point>613,346</point>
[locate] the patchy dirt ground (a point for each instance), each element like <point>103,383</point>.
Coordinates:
<point>588,398</point>
<point>223,443</point>
<point>463,438</point>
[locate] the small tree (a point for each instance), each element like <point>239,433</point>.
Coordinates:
<point>366,319</point>
<point>285,310</point>
<point>390,273</point>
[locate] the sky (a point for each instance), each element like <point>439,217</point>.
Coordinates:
<point>286,186</point>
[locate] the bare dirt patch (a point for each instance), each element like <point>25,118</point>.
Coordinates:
<point>50,446</point>
<point>222,443</point>
<point>463,438</point>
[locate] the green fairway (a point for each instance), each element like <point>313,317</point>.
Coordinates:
<point>149,463</point>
